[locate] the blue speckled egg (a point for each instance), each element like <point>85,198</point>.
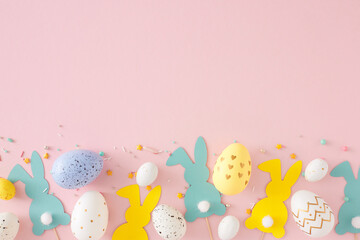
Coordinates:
<point>77,168</point>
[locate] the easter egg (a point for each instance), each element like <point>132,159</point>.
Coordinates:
<point>7,189</point>
<point>232,170</point>
<point>312,214</point>
<point>316,170</point>
<point>9,226</point>
<point>168,222</point>
<point>90,216</point>
<point>77,168</point>
<point>146,174</point>
<point>228,228</point>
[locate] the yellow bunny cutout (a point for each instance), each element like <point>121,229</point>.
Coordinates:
<point>137,216</point>
<point>270,214</point>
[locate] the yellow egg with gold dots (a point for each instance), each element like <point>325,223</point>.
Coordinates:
<point>232,170</point>
<point>7,189</point>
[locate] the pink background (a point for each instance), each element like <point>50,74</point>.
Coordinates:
<point>122,73</point>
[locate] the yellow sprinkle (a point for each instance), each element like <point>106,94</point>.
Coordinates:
<point>248,211</point>
<point>139,147</point>
<point>46,155</point>
<point>180,195</point>
<point>27,160</point>
<point>109,172</point>
<point>130,175</point>
<point>293,155</point>
<point>278,146</point>
<point>148,187</point>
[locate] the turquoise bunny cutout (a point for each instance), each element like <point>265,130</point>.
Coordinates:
<point>350,209</point>
<point>37,188</point>
<point>196,175</point>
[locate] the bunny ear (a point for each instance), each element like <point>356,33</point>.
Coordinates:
<point>19,173</point>
<point>273,167</point>
<point>293,173</point>
<point>200,152</point>
<point>152,198</point>
<point>179,157</point>
<point>343,170</point>
<point>132,193</point>
<point>37,166</point>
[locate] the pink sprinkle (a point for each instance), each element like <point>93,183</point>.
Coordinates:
<point>22,154</point>
<point>344,148</point>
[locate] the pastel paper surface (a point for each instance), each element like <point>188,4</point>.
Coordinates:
<point>37,188</point>
<point>349,209</point>
<point>277,190</point>
<point>196,175</point>
<point>137,216</point>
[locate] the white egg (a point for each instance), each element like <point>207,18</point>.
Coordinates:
<point>312,214</point>
<point>228,228</point>
<point>90,216</point>
<point>9,226</point>
<point>168,222</point>
<point>316,170</point>
<point>146,174</point>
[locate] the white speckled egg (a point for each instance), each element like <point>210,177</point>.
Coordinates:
<point>312,214</point>
<point>146,174</point>
<point>9,226</point>
<point>228,228</point>
<point>90,216</point>
<point>168,222</point>
<point>316,170</point>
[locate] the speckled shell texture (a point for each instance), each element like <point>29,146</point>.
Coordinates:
<point>77,168</point>
<point>168,222</point>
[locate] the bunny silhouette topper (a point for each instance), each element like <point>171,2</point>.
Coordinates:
<point>350,209</point>
<point>277,192</point>
<point>137,215</point>
<point>196,175</point>
<point>37,188</point>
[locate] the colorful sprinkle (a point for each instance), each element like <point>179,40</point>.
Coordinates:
<point>46,155</point>
<point>293,155</point>
<point>248,211</point>
<point>22,154</point>
<point>346,199</point>
<point>109,172</point>
<point>323,141</point>
<point>148,187</point>
<point>279,146</point>
<point>27,160</point>
<point>303,174</point>
<point>46,147</point>
<point>139,147</point>
<point>10,140</point>
<point>344,148</point>
<point>101,154</point>
<point>262,150</point>
<point>180,195</point>
<point>130,175</point>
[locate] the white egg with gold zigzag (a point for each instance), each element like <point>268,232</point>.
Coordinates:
<point>312,214</point>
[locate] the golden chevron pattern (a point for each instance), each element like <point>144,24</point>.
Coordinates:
<point>322,211</point>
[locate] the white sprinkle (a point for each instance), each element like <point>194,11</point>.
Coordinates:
<point>252,205</point>
<point>114,147</point>
<point>253,189</point>
<point>59,134</point>
<point>123,148</point>
<point>108,158</point>
<point>45,189</point>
